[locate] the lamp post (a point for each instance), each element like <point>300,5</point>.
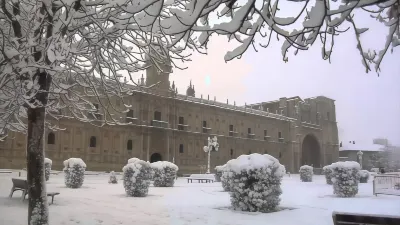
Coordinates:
<point>360,154</point>
<point>212,146</point>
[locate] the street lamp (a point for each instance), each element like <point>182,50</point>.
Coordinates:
<point>360,154</point>
<point>212,146</point>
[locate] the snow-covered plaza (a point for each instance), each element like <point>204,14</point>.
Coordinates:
<point>98,202</point>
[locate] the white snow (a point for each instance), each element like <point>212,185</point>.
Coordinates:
<point>98,202</point>
<point>131,160</point>
<point>346,164</point>
<point>74,161</point>
<point>254,161</point>
<point>162,164</point>
<point>48,161</point>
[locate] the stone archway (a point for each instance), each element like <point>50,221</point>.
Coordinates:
<point>155,157</point>
<point>311,151</point>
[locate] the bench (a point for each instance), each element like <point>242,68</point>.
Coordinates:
<point>22,185</point>
<point>207,180</point>
<point>363,219</point>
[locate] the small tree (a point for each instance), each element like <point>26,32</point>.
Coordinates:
<point>255,182</point>
<point>74,172</point>
<point>345,179</point>
<point>164,173</point>
<point>113,178</point>
<point>327,170</point>
<point>364,176</point>
<point>306,173</point>
<point>136,176</point>
<point>47,167</point>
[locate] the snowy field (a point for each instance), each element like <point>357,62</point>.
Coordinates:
<point>100,203</point>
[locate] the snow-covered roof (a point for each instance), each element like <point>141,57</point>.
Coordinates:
<point>361,147</point>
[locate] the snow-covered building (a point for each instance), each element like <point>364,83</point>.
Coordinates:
<point>348,152</point>
<point>168,126</point>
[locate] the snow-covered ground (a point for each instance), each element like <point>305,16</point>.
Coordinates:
<point>97,202</point>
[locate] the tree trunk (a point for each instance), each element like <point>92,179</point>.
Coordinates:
<point>38,207</point>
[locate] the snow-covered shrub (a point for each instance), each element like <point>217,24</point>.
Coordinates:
<point>255,182</point>
<point>327,170</point>
<point>364,176</point>
<point>218,173</point>
<point>226,177</point>
<point>345,178</point>
<point>47,168</point>
<point>136,178</point>
<point>131,160</point>
<point>74,172</point>
<point>113,178</point>
<point>164,173</point>
<point>306,173</point>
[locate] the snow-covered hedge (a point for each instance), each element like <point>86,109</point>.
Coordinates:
<point>47,168</point>
<point>113,178</point>
<point>327,170</point>
<point>346,176</point>
<point>74,172</point>
<point>136,178</point>
<point>364,176</point>
<point>226,177</point>
<point>164,173</point>
<point>306,173</point>
<point>131,160</point>
<point>255,182</point>
<point>218,173</point>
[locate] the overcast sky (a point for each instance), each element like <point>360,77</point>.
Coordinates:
<point>367,106</point>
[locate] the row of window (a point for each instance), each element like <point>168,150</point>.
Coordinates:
<point>51,140</point>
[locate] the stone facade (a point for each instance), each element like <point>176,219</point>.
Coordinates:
<point>172,127</point>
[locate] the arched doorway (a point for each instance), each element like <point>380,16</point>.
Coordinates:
<point>155,157</point>
<point>311,151</point>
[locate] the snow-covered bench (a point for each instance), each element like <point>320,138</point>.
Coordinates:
<point>22,185</point>
<point>340,218</point>
<point>207,178</point>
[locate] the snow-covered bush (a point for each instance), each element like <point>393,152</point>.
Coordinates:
<point>327,170</point>
<point>364,176</point>
<point>164,173</point>
<point>226,177</point>
<point>74,172</point>
<point>47,168</point>
<point>345,178</point>
<point>218,173</point>
<point>136,178</point>
<point>131,160</point>
<point>306,173</point>
<point>113,178</point>
<point>255,182</point>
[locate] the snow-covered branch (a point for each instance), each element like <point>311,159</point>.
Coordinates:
<point>86,51</point>
<point>253,21</point>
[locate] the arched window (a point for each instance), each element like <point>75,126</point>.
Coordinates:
<point>92,143</point>
<point>51,138</point>
<point>129,145</point>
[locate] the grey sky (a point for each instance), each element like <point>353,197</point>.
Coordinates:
<point>367,106</point>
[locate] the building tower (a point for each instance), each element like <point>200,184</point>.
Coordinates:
<point>158,71</point>
<point>190,90</point>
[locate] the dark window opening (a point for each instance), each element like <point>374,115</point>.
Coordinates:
<point>129,145</point>
<point>92,143</point>
<point>280,154</point>
<point>265,133</point>
<point>231,153</point>
<point>157,115</point>
<point>279,134</point>
<point>51,139</point>
<point>230,127</point>
<point>181,148</point>
<point>129,116</point>
<point>181,122</point>
<point>204,123</point>
<point>249,130</point>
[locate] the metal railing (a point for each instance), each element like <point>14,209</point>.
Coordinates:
<point>386,185</point>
